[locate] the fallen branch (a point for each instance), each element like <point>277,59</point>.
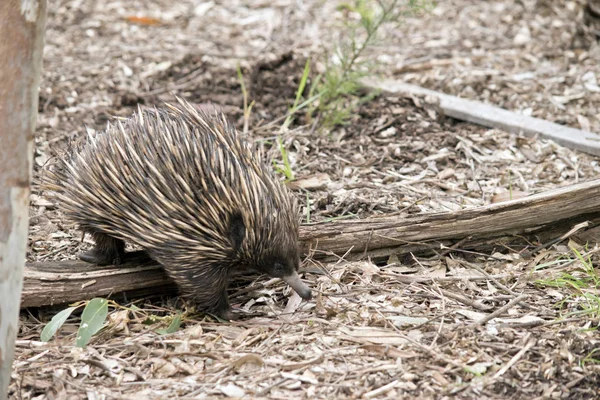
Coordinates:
<point>58,282</point>
<point>496,117</point>
<point>554,211</point>
<point>538,217</point>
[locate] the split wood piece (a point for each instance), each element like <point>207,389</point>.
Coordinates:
<point>549,214</point>
<point>496,117</point>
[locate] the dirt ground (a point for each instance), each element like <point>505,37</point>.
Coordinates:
<point>366,335</point>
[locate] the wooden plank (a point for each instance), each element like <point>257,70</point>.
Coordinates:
<point>496,117</point>
<point>543,216</point>
<point>22,25</point>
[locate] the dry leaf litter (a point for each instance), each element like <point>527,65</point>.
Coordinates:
<point>368,334</point>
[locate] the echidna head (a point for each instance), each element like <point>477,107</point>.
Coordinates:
<point>283,262</point>
<point>272,250</point>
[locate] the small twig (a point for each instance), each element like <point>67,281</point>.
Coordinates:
<point>573,230</point>
<point>530,343</point>
<point>440,327</point>
<point>266,390</point>
<point>422,279</point>
<point>57,250</point>
<point>381,390</point>
<point>101,365</point>
<point>136,372</point>
<point>501,310</point>
<point>435,354</point>
<point>465,300</point>
<point>498,283</point>
<point>454,246</point>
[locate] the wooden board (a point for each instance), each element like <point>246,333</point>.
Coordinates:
<point>496,117</point>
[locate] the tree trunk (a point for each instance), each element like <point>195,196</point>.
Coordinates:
<point>22,25</point>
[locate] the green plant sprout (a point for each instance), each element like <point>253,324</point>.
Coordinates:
<point>338,86</point>
<point>582,286</point>
<point>287,168</point>
<point>590,359</point>
<point>247,107</point>
<point>301,86</point>
<point>92,321</point>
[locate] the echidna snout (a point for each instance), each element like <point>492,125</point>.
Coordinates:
<point>278,258</point>
<point>286,270</point>
<point>299,287</point>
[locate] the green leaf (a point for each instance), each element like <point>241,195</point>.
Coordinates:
<point>286,161</point>
<point>299,92</point>
<point>173,326</point>
<point>150,319</point>
<point>303,80</point>
<point>92,320</point>
<point>55,323</point>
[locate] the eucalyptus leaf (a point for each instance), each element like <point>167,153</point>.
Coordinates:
<point>92,320</point>
<point>55,323</point>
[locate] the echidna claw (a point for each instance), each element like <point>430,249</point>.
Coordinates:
<point>100,258</point>
<point>226,315</point>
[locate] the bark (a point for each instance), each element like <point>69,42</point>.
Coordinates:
<point>22,25</point>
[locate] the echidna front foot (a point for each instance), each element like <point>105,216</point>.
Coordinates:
<point>100,258</point>
<point>108,251</point>
<point>223,310</point>
<point>228,315</point>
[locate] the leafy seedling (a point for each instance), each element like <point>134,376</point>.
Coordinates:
<point>299,92</point>
<point>581,284</point>
<point>346,62</point>
<point>287,168</point>
<point>92,320</point>
<point>247,107</point>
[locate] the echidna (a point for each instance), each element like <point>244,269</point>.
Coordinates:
<point>181,184</point>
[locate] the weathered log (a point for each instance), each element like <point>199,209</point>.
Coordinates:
<point>58,282</point>
<point>543,216</point>
<point>562,207</point>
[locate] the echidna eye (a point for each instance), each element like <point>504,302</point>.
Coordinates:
<point>278,267</point>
